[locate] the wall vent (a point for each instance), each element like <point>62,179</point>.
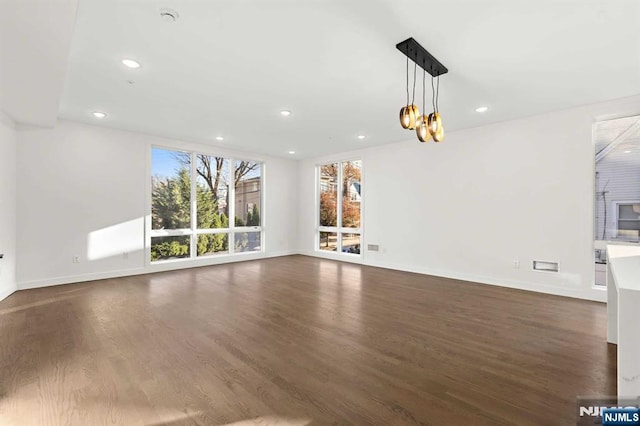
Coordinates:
<point>373,247</point>
<point>541,265</point>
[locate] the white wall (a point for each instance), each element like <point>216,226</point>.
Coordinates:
<point>7,206</point>
<point>82,190</point>
<point>468,207</point>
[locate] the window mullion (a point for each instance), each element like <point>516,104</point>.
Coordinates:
<point>194,206</point>
<point>232,205</point>
<point>339,213</point>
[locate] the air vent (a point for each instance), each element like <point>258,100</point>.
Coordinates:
<point>544,266</point>
<point>373,247</point>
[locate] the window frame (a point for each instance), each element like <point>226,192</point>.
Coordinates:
<point>338,229</point>
<point>193,232</point>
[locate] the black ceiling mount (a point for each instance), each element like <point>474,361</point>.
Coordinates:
<point>421,57</point>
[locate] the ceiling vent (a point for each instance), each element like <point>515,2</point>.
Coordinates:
<point>169,15</point>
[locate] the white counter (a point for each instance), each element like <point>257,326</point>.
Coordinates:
<point>623,314</point>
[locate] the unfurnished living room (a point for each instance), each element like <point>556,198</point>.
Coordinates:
<point>285,212</point>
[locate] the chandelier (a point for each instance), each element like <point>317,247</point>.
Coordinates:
<point>427,126</point>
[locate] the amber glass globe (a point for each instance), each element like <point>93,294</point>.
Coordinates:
<point>439,136</point>
<point>414,114</point>
<point>405,119</point>
<point>422,130</point>
<point>434,123</point>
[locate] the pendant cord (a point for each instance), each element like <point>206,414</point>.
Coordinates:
<point>407,81</point>
<point>433,95</point>
<point>424,77</point>
<point>438,96</point>
<point>415,67</point>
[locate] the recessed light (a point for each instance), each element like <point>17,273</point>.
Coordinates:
<point>627,152</point>
<point>285,113</point>
<point>482,109</point>
<point>219,138</point>
<point>131,63</point>
<point>292,152</point>
<point>361,137</point>
<point>98,114</point>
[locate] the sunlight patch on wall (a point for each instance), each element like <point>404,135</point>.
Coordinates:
<point>116,240</point>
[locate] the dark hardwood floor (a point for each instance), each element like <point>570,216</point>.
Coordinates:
<point>297,340</point>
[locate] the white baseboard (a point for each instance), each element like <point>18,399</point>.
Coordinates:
<point>161,267</point>
<point>577,292</point>
<point>574,291</point>
<point>332,255</point>
<point>6,293</point>
<point>72,279</point>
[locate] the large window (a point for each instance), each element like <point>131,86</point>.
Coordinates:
<point>340,207</point>
<point>617,187</point>
<point>192,198</point>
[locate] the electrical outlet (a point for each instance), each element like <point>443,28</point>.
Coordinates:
<point>516,264</point>
<point>75,259</point>
<point>125,256</point>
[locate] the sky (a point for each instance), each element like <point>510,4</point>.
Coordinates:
<point>165,164</point>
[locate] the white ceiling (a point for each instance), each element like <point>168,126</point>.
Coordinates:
<point>228,67</point>
<point>35,37</point>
